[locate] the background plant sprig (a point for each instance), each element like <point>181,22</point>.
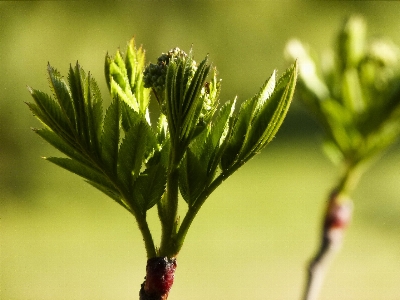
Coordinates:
<point>354,93</point>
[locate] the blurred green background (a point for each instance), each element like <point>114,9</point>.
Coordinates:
<point>61,239</point>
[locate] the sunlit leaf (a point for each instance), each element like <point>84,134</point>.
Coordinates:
<point>132,153</point>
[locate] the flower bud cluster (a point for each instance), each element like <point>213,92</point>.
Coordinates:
<point>154,75</point>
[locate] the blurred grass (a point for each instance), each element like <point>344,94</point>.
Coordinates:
<point>61,239</point>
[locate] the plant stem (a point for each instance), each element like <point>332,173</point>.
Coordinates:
<point>337,217</point>
<point>160,274</point>
<point>147,237</point>
<point>170,209</point>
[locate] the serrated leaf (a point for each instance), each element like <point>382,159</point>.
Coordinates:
<point>111,136</point>
<point>83,171</point>
<point>110,193</point>
<point>196,83</point>
<point>192,177</point>
<point>149,187</point>
<point>266,91</point>
<point>218,136</point>
<point>77,78</point>
<point>203,157</point>
<point>191,106</point>
<point>50,113</point>
<point>124,93</point>
<point>37,112</point>
<point>107,64</point>
<point>118,75</point>
<point>238,133</point>
<point>270,117</point>
<point>210,145</point>
<point>62,94</point>
<point>221,124</point>
<point>62,145</point>
<point>171,99</point>
<point>134,62</point>
<point>131,155</point>
<point>132,67</point>
<point>120,64</point>
<point>94,113</point>
<point>126,78</point>
<point>129,116</point>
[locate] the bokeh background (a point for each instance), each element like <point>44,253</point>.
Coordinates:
<point>61,239</point>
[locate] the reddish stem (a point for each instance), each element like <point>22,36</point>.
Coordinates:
<point>337,218</point>
<point>160,273</point>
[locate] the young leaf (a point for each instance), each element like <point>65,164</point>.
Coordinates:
<point>124,93</point>
<point>76,78</point>
<point>259,119</point>
<point>132,153</point>
<point>149,187</point>
<point>191,106</point>
<point>111,136</point>
<point>50,113</point>
<point>271,115</point>
<point>192,177</point>
<point>203,157</point>
<point>110,193</point>
<point>238,133</point>
<point>134,62</point>
<point>171,99</point>
<point>94,113</point>
<point>86,172</point>
<point>63,145</point>
<point>218,135</point>
<point>62,94</point>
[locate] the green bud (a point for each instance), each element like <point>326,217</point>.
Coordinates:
<point>154,74</point>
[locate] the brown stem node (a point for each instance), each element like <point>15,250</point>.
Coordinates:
<point>160,273</point>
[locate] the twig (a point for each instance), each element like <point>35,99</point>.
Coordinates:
<point>337,217</point>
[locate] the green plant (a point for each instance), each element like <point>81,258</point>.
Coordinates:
<point>192,147</point>
<point>354,93</point>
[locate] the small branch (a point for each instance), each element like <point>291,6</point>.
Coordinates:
<point>147,237</point>
<point>337,218</point>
